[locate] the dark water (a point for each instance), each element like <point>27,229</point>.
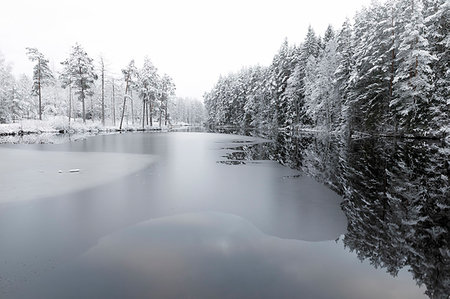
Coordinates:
<point>226,216</point>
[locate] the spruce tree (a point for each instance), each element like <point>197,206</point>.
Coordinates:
<point>79,74</point>
<point>412,83</point>
<point>42,75</point>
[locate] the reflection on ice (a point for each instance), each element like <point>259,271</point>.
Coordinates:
<point>217,255</point>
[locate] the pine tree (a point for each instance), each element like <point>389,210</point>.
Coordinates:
<point>79,74</point>
<point>147,85</point>
<point>370,96</point>
<point>344,71</point>
<point>436,15</point>
<point>42,74</point>
<point>282,67</point>
<point>129,74</point>
<point>167,91</point>
<point>412,83</point>
<point>6,87</point>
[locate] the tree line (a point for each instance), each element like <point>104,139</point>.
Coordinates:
<point>85,90</point>
<point>387,72</point>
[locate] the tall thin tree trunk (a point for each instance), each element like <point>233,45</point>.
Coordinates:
<point>143,113</point>
<point>39,89</point>
<point>160,114</point>
<point>92,109</point>
<point>151,111</point>
<point>124,102</point>
<point>103,91</point>
<point>148,110</point>
<point>132,109</point>
<point>70,103</point>
<point>113,104</point>
<point>165,111</point>
<point>83,105</point>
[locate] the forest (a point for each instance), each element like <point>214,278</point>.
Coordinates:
<point>386,73</point>
<point>86,90</point>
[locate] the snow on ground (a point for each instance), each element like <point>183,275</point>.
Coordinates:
<point>27,174</point>
<point>61,123</point>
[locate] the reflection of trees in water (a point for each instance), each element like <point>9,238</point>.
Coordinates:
<point>397,205</point>
<point>396,198</point>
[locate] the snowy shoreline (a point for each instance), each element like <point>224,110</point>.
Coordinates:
<point>443,135</point>
<point>61,125</point>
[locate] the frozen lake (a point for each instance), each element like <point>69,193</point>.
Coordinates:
<point>207,215</point>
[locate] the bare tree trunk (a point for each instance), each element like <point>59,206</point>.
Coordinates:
<point>148,110</point>
<point>39,87</point>
<point>103,90</point>
<point>132,109</point>
<point>84,108</point>
<point>124,102</point>
<point>151,111</point>
<point>92,109</point>
<point>82,95</point>
<point>165,111</point>
<point>70,103</point>
<point>113,104</point>
<point>143,113</point>
<point>160,114</point>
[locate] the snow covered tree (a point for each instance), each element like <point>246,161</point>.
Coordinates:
<point>282,67</point>
<point>412,83</point>
<point>371,77</point>
<point>436,15</point>
<point>343,72</point>
<point>167,91</point>
<point>42,75</point>
<point>129,74</point>
<point>27,103</point>
<point>79,74</point>
<point>102,75</point>
<point>147,85</point>
<point>6,90</point>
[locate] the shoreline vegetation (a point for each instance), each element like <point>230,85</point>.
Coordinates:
<point>354,135</point>
<point>385,73</point>
<point>60,126</point>
<point>68,99</point>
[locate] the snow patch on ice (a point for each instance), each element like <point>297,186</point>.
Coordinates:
<point>27,174</point>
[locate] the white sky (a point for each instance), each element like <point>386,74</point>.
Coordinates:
<point>194,41</point>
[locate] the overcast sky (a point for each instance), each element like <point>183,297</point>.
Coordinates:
<point>194,41</point>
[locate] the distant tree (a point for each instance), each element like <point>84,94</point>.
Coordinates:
<point>282,67</point>
<point>329,35</point>
<point>79,74</point>
<point>102,72</point>
<point>129,74</point>
<point>147,85</point>
<point>42,74</point>
<point>343,72</point>
<point>167,91</point>
<point>27,104</point>
<point>6,88</point>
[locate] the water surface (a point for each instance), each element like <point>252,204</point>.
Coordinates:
<point>216,216</point>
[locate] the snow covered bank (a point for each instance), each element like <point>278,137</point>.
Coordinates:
<point>60,124</point>
<point>26,175</point>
